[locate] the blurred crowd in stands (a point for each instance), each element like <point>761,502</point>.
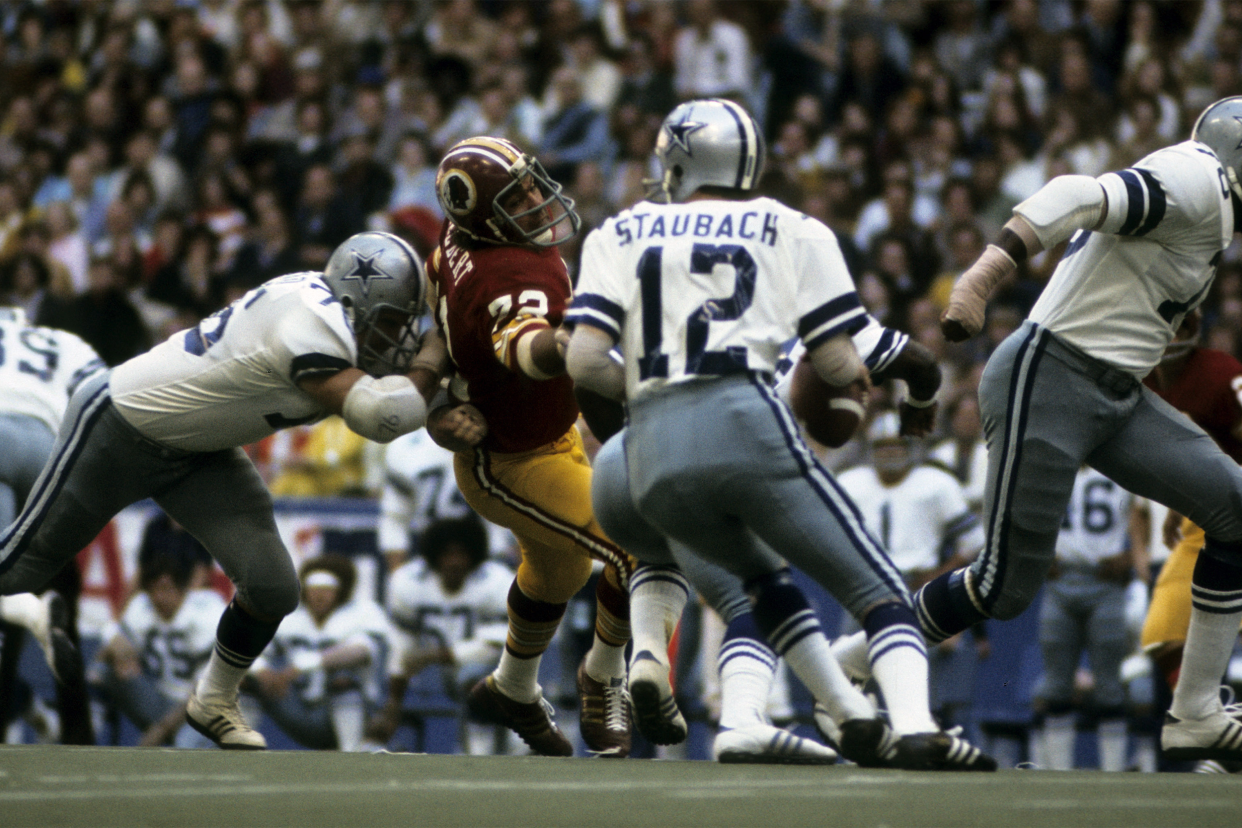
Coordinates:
<point>158,158</point>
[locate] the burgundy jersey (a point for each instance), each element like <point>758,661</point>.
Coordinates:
<point>487,299</point>
<point>1207,391</point>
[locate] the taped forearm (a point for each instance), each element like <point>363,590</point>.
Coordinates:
<point>969,300</point>
<point>591,366</point>
<point>837,361</point>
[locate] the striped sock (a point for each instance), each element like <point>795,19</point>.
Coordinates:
<point>782,613</point>
<point>240,637</point>
<point>944,607</point>
<point>606,658</point>
<point>658,594</point>
<point>747,668</point>
<point>532,625</point>
<point>1216,610</point>
<point>898,658</point>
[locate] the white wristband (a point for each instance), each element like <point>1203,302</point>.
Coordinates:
<point>913,403</point>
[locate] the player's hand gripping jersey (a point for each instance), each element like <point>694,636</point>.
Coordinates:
<point>232,379</point>
<point>485,299</point>
<point>741,269</point>
<point>1169,219</point>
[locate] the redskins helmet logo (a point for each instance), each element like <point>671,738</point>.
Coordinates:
<point>458,193</point>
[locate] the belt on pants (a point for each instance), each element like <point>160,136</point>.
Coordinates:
<point>1105,375</point>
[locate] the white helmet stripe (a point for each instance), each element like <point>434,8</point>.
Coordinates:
<point>746,166</point>
<point>494,156</point>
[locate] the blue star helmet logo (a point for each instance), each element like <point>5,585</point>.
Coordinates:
<point>364,271</point>
<point>681,132</point>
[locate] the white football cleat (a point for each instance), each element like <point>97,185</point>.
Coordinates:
<point>223,724</point>
<point>1216,736</point>
<point>763,744</point>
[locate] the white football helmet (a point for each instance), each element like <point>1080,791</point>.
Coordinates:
<point>1220,128</point>
<point>711,142</point>
<point>374,275</point>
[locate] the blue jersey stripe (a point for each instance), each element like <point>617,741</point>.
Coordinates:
<point>1155,194</point>
<point>827,312</point>
<point>1134,195</point>
<point>595,302</point>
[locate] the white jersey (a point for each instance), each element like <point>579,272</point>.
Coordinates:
<point>232,380</point>
<point>420,487</point>
<point>917,518</point>
<point>711,288</point>
<point>172,652</point>
<point>877,345</point>
<point>40,367</point>
<point>472,623</point>
<point>1097,520</point>
<point>1120,294</point>
<point>360,621</point>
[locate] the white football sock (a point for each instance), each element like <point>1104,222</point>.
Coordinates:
<point>656,605</point>
<point>25,610</point>
<point>811,660</point>
<point>1112,744</point>
<point>901,672</point>
<point>747,670</point>
<point>1209,643</point>
<point>1059,735</point>
<point>604,661</point>
<point>219,682</point>
<point>851,653</point>
<point>518,678</point>
<point>348,720</point>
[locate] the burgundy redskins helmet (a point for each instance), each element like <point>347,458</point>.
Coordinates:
<point>481,183</point>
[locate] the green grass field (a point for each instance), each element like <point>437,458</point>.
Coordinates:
<point>53,785</point>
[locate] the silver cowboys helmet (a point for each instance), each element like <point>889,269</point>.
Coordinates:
<point>378,279</point>
<point>1220,127</point>
<point>711,142</point>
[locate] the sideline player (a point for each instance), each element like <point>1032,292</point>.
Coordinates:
<point>701,292</point>
<point>1065,389</point>
<point>40,368</point>
<point>499,289</point>
<point>168,424</point>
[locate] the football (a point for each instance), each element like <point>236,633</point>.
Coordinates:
<point>829,413</point>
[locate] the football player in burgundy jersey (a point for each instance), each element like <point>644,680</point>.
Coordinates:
<point>1204,384</point>
<point>499,290</point>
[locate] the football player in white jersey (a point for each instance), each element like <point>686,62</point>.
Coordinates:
<point>1084,610</point>
<point>447,607</point>
<point>701,292</point>
<point>168,424</point>
<point>747,665</point>
<point>419,489</point>
<point>155,652</point>
<point>914,509</point>
<point>1065,389</point>
<point>319,679</point>
<point>39,370</point>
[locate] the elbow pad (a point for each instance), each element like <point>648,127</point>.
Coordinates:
<point>385,408</point>
<point>1064,205</point>
<point>837,361</point>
